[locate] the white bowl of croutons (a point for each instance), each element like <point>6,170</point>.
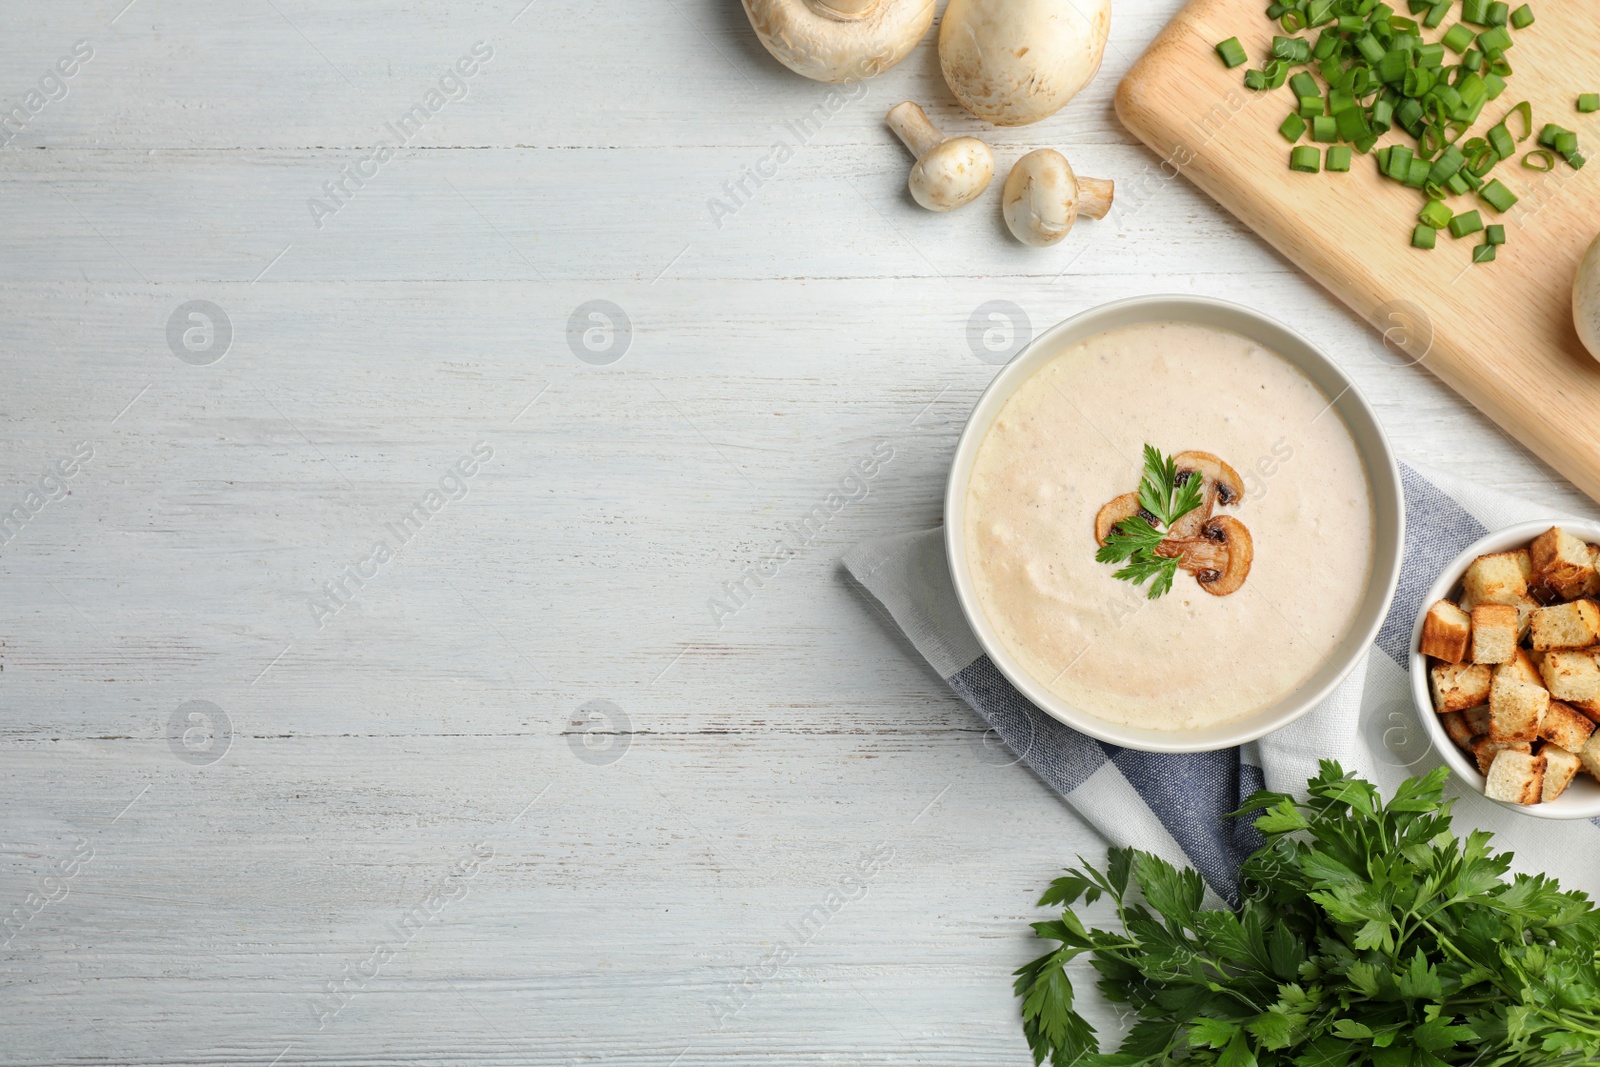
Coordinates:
<point>1505,667</point>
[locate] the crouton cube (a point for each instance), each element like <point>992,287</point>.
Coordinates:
<point>1574,625</point>
<point>1571,675</point>
<point>1562,562</point>
<point>1455,725</point>
<point>1590,756</point>
<point>1445,630</point>
<point>1591,708</point>
<point>1521,667</point>
<point>1559,768</point>
<point>1493,579</point>
<point>1516,708</point>
<point>1459,686</point>
<point>1565,726</point>
<point>1477,720</point>
<point>1494,633</point>
<point>1515,777</point>
<point>1485,750</point>
<point>1525,609</point>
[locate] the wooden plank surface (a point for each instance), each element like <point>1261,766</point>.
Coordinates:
<point>1500,334</point>
<point>372,755</point>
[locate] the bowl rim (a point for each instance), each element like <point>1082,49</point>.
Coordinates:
<point>1566,806</point>
<point>1383,474</point>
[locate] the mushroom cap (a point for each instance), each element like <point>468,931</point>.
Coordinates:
<point>1586,300</point>
<point>1040,201</point>
<point>849,42</point>
<point>952,174</point>
<point>1013,62</point>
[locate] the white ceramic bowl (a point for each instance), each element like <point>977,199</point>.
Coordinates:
<point>1388,502</point>
<point>1582,798</point>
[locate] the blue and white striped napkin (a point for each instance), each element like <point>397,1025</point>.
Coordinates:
<point>1174,805</point>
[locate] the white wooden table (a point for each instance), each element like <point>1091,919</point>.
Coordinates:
<point>411,836</point>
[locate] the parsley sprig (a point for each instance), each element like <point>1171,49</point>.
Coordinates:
<point>1368,935</point>
<point>1134,539</point>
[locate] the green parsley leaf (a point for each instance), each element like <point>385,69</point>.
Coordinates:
<point>1134,540</point>
<point>1369,935</point>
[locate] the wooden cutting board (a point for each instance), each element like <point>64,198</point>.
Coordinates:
<point>1500,334</point>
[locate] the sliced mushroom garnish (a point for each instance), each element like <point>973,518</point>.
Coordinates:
<point>1123,507</point>
<point>1219,557</point>
<point>1222,486</point>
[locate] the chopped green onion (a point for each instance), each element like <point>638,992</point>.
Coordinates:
<point>1522,17</point>
<point>1458,183</point>
<point>1589,102</point>
<point>1499,13</point>
<point>1566,143</point>
<point>1525,110</point>
<point>1493,41</point>
<point>1337,158</point>
<point>1475,11</point>
<point>1437,215</point>
<point>1325,128</point>
<point>1575,160</point>
<point>1305,159</point>
<point>1465,223</point>
<point>1538,156</point>
<point>1445,167</point>
<point>1310,107</point>
<point>1430,55</point>
<point>1484,253</point>
<point>1231,52</point>
<point>1293,49</point>
<point>1303,84</point>
<point>1292,127</point>
<point>1417,175</point>
<point>1255,80</point>
<point>1277,73</point>
<point>1497,196</point>
<point>1319,11</point>
<point>1494,235</point>
<point>1397,164</point>
<point>1495,84</point>
<point>1548,135</point>
<point>1457,38</point>
<point>1436,14</point>
<point>1472,59</point>
<point>1424,237</point>
<point>1500,140</point>
<point>1501,66</point>
<point>1292,22</point>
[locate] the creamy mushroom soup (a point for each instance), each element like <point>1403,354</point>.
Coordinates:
<point>1070,440</point>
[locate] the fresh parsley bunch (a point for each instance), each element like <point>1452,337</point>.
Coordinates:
<point>1368,934</point>
<point>1134,540</point>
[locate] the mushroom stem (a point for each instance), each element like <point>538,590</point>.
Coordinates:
<point>912,125</point>
<point>1094,197</point>
<point>845,10</point>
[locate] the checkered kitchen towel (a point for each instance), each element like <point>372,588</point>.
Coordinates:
<point>1174,804</point>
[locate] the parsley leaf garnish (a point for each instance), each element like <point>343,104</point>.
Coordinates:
<point>1368,935</point>
<point>1134,540</point>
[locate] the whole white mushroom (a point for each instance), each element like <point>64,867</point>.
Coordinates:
<point>1043,198</point>
<point>1014,62</point>
<point>839,40</point>
<point>949,171</point>
<point>1586,300</point>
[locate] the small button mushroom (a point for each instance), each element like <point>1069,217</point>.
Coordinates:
<point>839,40</point>
<point>949,172</point>
<point>1586,300</point>
<point>1014,62</point>
<point>1043,198</point>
